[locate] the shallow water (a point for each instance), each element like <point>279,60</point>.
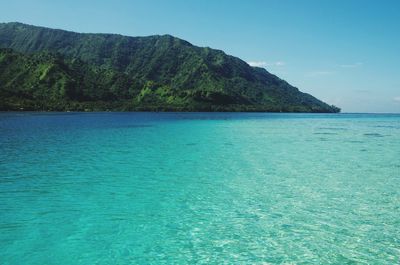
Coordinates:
<point>206,188</point>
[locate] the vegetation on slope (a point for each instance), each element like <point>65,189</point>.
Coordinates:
<point>48,69</point>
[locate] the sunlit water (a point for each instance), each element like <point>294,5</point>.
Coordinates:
<point>142,188</point>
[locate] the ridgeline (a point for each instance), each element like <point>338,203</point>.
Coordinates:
<point>57,70</point>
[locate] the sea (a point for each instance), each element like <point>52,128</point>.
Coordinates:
<point>199,188</point>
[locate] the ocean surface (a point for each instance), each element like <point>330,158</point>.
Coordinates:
<point>199,188</point>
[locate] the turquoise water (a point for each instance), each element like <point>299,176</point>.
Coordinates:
<point>143,188</point>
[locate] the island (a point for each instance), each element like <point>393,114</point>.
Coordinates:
<point>43,69</point>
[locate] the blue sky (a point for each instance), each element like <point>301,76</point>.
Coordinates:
<point>345,52</point>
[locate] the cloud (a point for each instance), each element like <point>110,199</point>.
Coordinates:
<point>319,73</point>
<point>353,65</point>
<point>279,63</point>
<point>257,63</point>
<point>397,99</point>
<point>265,64</point>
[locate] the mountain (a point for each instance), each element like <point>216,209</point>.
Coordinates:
<point>51,69</point>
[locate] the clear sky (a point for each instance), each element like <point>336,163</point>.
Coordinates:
<point>345,52</point>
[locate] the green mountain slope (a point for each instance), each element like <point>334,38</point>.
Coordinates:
<point>59,70</point>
